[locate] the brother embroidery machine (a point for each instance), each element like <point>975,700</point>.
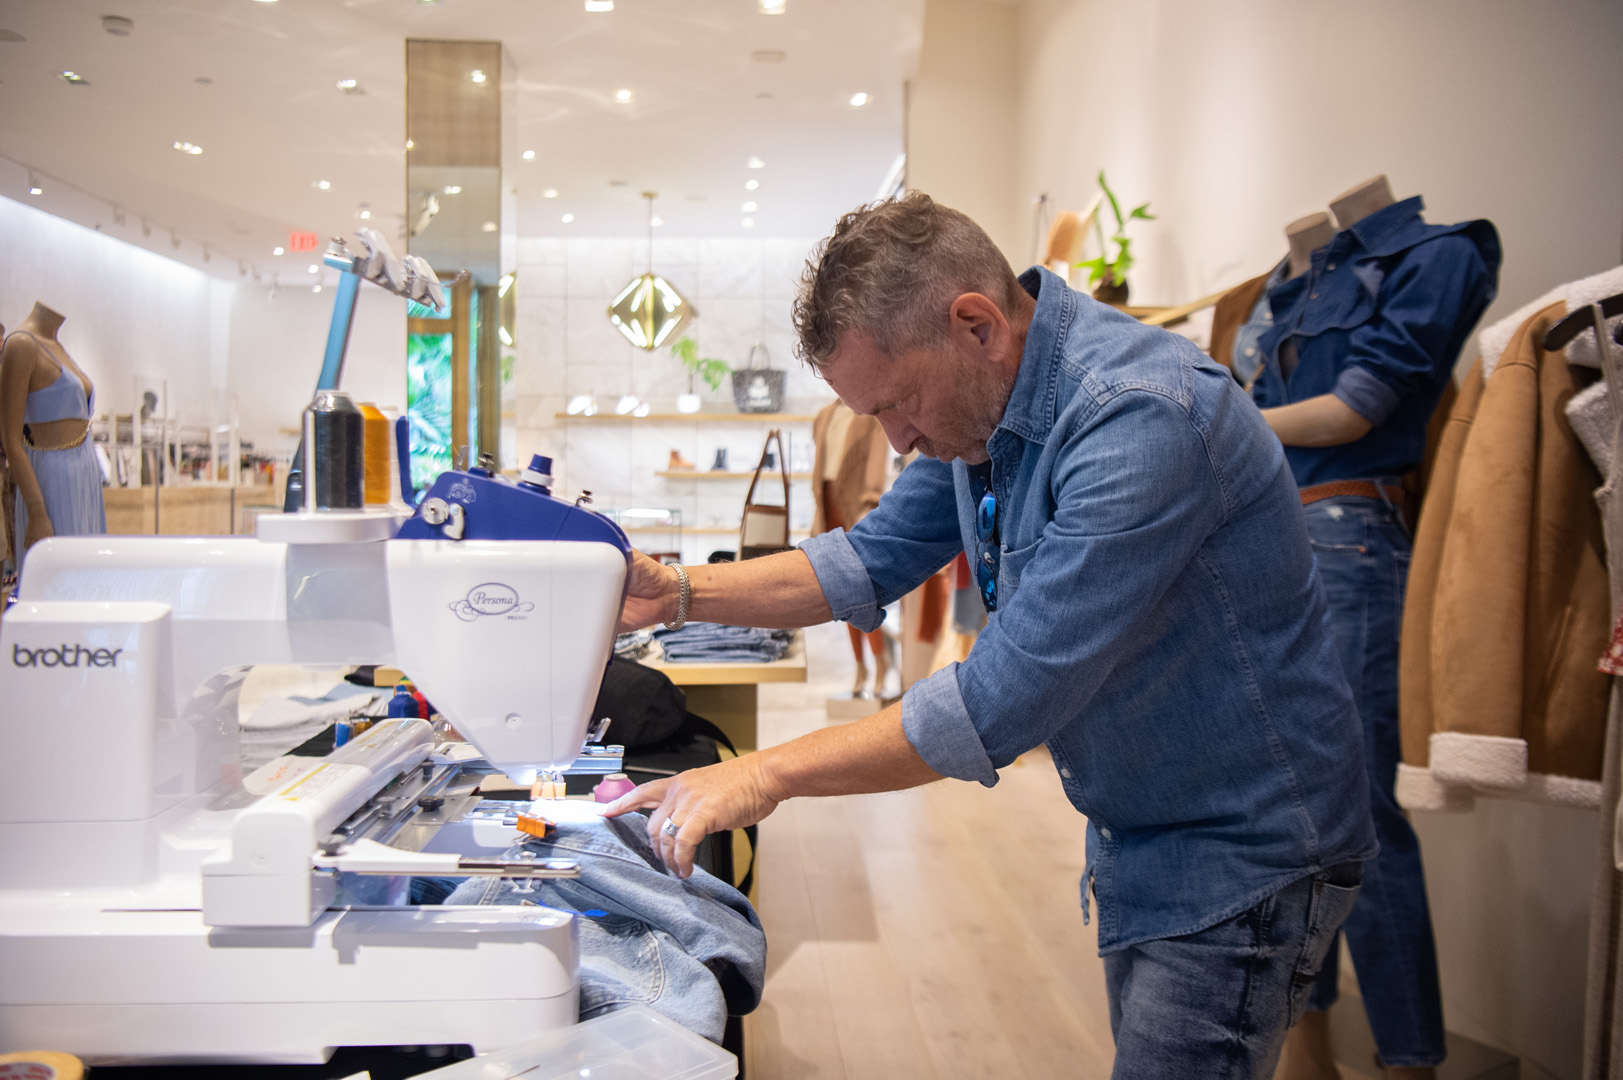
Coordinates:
<point>158,906</point>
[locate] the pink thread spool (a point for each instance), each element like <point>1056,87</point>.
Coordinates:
<point>612,786</point>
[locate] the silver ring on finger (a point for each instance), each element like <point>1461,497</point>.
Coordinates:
<point>670,828</point>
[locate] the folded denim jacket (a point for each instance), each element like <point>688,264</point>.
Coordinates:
<point>692,950</point>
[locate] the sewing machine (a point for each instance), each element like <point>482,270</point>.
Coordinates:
<point>158,905</point>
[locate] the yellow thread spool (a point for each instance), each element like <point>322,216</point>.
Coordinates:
<point>376,427</point>
<point>40,1065</point>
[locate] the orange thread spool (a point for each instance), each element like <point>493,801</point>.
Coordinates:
<point>376,428</point>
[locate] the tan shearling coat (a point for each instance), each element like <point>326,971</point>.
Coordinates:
<point>1507,609</point>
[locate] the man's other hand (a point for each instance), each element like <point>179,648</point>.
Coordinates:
<point>697,803</point>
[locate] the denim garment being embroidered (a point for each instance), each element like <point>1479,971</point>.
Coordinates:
<point>1378,320</point>
<point>690,949</point>
<point>1160,624</point>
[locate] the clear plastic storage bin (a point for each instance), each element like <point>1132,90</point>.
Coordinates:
<point>634,1043</point>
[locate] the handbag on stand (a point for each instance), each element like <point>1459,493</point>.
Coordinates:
<point>764,529</point>
<point>758,389</point>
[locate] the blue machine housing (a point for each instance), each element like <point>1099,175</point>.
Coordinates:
<point>496,508</point>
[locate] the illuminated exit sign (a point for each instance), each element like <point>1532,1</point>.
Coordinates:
<point>302,241</point>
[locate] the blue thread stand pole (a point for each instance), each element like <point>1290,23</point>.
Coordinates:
<point>332,364</point>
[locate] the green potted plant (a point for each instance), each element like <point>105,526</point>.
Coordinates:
<point>1109,275</point>
<point>708,368</point>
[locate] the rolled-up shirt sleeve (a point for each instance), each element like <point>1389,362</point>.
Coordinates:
<point>1396,352</point>
<point>897,545</point>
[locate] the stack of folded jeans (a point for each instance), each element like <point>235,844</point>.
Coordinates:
<point>713,643</point>
<point>691,949</point>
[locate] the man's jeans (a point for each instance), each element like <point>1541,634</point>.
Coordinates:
<point>1216,1003</point>
<point>1363,549</point>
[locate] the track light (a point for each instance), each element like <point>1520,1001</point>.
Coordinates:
<point>33,184</point>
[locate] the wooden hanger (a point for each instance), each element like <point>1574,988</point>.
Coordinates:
<point>1562,333</point>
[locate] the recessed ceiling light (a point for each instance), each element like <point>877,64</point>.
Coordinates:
<point>350,86</point>
<point>33,185</point>
<point>410,143</point>
<point>550,193</point>
<point>567,218</point>
<point>321,185</point>
<point>364,213</point>
<point>769,56</point>
<point>188,148</point>
<point>751,184</point>
<point>452,189</point>
<point>117,25</point>
<point>599,5</point>
<point>528,155</point>
<point>313,268</point>
<point>316,287</point>
<point>623,96</point>
<point>276,250</point>
<point>858,100</point>
<point>656,220</point>
<point>74,78</point>
<point>476,75</point>
<point>773,7</point>
<point>489,226</point>
<point>749,208</point>
<point>755,163</point>
<point>748,223</point>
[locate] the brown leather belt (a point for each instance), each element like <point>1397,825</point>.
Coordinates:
<point>1364,488</point>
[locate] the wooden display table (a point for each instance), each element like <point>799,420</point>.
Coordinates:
<point>725,694</point>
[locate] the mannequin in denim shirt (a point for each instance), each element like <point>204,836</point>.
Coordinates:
<point>1158,625</point>
<point>1355,353</point>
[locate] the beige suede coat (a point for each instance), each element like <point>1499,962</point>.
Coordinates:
<point>1507,609</point>
<point>860,477</point>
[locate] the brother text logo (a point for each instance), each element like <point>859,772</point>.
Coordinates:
<point>63,656</point>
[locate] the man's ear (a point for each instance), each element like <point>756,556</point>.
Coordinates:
<point>977,314</point>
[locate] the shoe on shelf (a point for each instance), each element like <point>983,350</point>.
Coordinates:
<point>679,463</point>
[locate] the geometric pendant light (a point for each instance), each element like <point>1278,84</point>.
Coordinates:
<point>649,311</point>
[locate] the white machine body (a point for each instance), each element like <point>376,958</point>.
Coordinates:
<point>158,905</point>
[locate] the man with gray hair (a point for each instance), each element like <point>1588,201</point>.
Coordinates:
<point>1155,619</point>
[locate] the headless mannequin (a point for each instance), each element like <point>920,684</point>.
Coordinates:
<point>32,360</point>
<point>1307,235</point>
<point>1357,203</point>
<point>1327,421</point>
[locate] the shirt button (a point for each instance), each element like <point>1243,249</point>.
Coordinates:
<point>1251,352</point>
<point>1105,833</point>
<point>1332,266</point>
<point>1315,296</point>
<point>1268,316</point>
<point>1066,773</point>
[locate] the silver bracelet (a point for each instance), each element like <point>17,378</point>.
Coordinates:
<point>684,597</point>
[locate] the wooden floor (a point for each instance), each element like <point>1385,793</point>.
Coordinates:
<point>927,933</point>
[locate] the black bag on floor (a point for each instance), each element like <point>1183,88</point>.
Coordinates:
<point>643,705</point>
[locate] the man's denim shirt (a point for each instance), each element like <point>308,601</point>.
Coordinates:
<point>1160,624</point>
<point>1379,319</point>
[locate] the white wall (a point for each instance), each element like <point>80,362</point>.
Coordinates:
<point>565,345</point>
<point>1234,119</point>
<point>128,312</point>
<point>961,106</point>
<point>276,348</point>
<point>131,313</point>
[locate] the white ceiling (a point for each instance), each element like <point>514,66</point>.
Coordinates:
<point>272,120</point>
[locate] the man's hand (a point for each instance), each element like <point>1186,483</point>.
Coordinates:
<point>651,592</point>
<point>697,803</point>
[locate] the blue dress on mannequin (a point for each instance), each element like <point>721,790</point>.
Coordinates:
<point>70,478</point>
